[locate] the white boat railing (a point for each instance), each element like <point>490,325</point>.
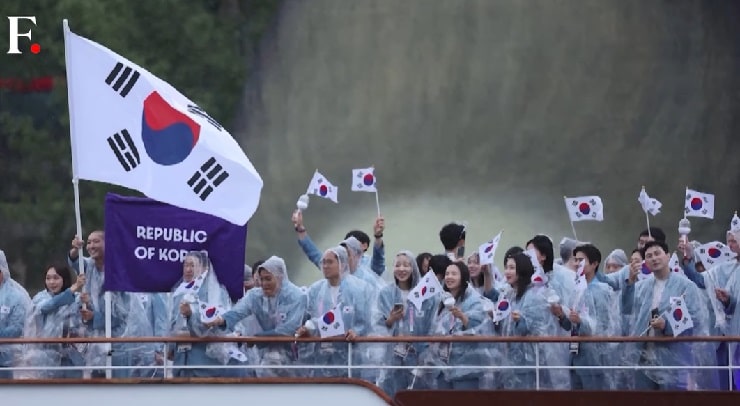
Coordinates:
<point>353,368</point>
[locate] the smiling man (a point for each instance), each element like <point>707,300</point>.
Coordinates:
<point>649,301</point>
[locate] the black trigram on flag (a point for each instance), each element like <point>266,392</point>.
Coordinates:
<point>127,79</point>
<point>208,178</point>
<point>200,112</point>
<point>125,150</point>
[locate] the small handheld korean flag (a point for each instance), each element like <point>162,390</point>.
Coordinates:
<point>487,250</point>
<point>699,204</point>
<point>735,223</point>
<point>130,128</point>
<point>331,323</point>
<point>581,283</point>
<point>502,309</point>
<point>427,288</point>
<point>321,187</point>
<point>585,208</point>
<point>645,272</point>
<point>714,253</point>
<point>649,205</point>
<point>363,180</point>
<point>675,265</point>
<point>679,317</point>
<point>539,278</point>
<point>209,313</point>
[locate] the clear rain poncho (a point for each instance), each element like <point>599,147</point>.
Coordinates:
<point>415,322</point>
<point>15,309</point>
<point>459,353</point>
<point>279,315</point>
<point>54,316</point>
<point>128,319</point>
<point>202,290</point>
<point>598,309</point>
<point>363,270</point>
<point>355,305</point>
<point>637,300</point>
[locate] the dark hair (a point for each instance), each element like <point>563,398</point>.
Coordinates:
<point>464,281</point>
<point>64,272</point>
<point>639,251</point>
<point>524,272</point>
<point>591,252</point>
<point>655,232</point>
<point>451,234</point>
<point>544,246</point>
<point>655,243</point>
<point>439,264</point>
<point>420,260</point>
<point>361,236</point>
<point>256,266</point>
<point>511,252</point>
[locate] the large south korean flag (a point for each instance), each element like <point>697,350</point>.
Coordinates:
<point>132,129</point>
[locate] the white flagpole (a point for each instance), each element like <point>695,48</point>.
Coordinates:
<point>75,184</point>
<point>647,214</point>
<point>75,179</point>
<point>377,203</point>
<point>684,202</point>
<point>573,227</point>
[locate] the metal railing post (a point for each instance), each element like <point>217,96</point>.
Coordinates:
<point>729,367</point>
<point>537,366</point>
<point>349,359</point>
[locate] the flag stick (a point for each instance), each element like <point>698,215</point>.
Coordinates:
<point>573,227</point>
<point>647,218</point>
<point>377,203</point>
<point>75,184</point>
<point>684,202</point>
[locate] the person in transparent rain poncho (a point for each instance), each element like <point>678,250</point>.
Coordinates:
<point>716,283</point>
<point>157,314</point>
<point>359,269</point>
<point>558,287</point>
<point>339,289</point>
<point>56,313</point>
<point>394,315</point>
<point>593,313</point>
<point>195,298</point>
<point>529,316</point>
<point>127,316</point>
<point>460,312</point>
<point>649,302</point>
<point>724,281</point>
<point>15,309</point>
<point>279,307</point>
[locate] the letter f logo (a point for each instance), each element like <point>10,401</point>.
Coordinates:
<point>14,35</point>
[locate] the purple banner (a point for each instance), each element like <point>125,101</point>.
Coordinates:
<point>146,242</point>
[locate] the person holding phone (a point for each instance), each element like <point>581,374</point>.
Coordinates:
<point>394,315</point>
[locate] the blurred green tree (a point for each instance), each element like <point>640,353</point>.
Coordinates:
<point>202,48</point>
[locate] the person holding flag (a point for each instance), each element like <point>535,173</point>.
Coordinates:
<point>376,262</point>
<point>526,318</point>
<point>396,315</point>
<point>279,307</point>
<point>648,302</point>
<point>196,299</point>
<point>460,312</point>
<point>719,284</point>
<point>128,316</point>
<point>339,292</point>
<point>591,315</point>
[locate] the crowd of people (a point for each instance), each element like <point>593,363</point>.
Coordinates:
<point>539,291</point>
